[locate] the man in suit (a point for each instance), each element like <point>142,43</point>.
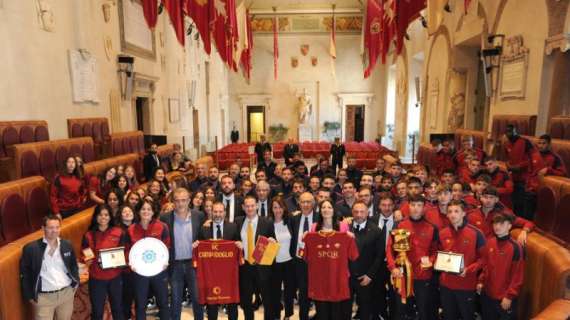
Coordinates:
<point>365,195</point>
<point>364,270</point>
<point>354,174</point>
<point>289,151</point>
<point>262,193</point>
<point>234,135</point>
<point>151,161</point>
<point>267,165</point>
<point>184,226</point>
<point>261,147</point>
<point>251,227</point>
<point>201,177</point>
<point>232,201</point>
<point>344,206</point>
<point>323,170</point>
<point>218,229</point>
<point>337,152</point>
<point>299,224</point>
<point>293,201</point>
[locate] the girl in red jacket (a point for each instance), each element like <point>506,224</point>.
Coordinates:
<point>67,193</point>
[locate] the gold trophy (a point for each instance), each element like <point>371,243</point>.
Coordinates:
<point>401,244</point>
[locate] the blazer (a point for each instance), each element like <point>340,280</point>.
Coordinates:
<point>31,265</point>
<point>229,231</point>
<point>197,218</point>
<point>150,164</point>
<point>294,225</point>
<point>371,248</point>
<point>238,205</point>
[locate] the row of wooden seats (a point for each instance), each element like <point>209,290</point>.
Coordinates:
<point>127,142</point>
<point>12,306</point>
<point>553,209</point>
<point>47,157</point>
<point>96,128</point>
<point>16,132</point>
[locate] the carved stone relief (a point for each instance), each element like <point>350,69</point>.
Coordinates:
<point>457,87</point>
<point>46,17</point>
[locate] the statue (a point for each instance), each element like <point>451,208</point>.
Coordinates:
<point>457,112</point>
<point>305,107</point>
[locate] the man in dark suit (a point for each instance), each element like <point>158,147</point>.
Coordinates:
<point>184,225</point>
<point>232,201</point>
<point>364,270</point>
<point>261,147</point>
<point>251,275</point>
<point>324,169</point>
<point>337,152</point>
<point>292,201</point>
<point>218,229</point>
<point>344,206</point>
<point>365,195</point>
<point>151,161</point>
<point>201,177</point>
<point>354,174</point>
<point>289,151</point>
<point>267,164</point>
<point>234,135</point>
<point>298,225</point>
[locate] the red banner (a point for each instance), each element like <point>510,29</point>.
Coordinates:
<point>406,12</point>
<point>246,54</point>
<point>275,48</point>
<point>372,35</point>
<point>224,28</point>
<point>175,9</point>
<point>150,11</point>
<point>199,11</point>
<point>388,26</point>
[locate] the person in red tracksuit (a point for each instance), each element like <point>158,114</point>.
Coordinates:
<point>415,188</point>
<point>467,149</point>
<point>458,290</point>
<point>503,272</point>
<point>424,239</point>
<point>468,173</point>
<point>554,164</point>
<point>103,234</point>
<point>443,157</point>
<point>150,226</point>
<point>438,215</point>
<point>490,207</point>
<point>524,163</point>
<point>67,193</point>
<point>500,179</point>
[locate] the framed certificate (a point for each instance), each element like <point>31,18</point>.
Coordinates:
<point>112,258</point>
<point>449,262</point>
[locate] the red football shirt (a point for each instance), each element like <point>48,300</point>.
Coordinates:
<point>217,268</point>
<point>327,255</point>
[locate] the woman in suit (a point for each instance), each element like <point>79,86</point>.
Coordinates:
<point>283,273</point>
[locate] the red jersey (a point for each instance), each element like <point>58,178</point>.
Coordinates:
<point>423,240</point>
<point>327,255</point>
<point>436,217</point>
<point>462,154</point>
<point>518,154</point>
<point>217,270</point>
<point>487,226</point>
<point>503,268</point>
<point>155,229</point>
<point>97,240</point>
<point>466,240</point>
<point>554,163</point>
<point>67,193</point>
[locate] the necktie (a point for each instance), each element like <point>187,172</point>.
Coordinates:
<point>219,232</point>
<point>263,209</point>
<point>306,225</point>
<point>385,228</point>
<point>250,243</point>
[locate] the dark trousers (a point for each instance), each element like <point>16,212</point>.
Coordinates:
<point>212,310</point>
<point>283,276</point>
<point>328,310</point>
<point>128,293</point>
<point>383,295</point>
<point>423,300</point>
<point>251,276</point>
<point>363,296</point>
<point>524,203</point>
<point>336,163</point>
<point>98,292</point>
<point>301,274</point>
<point>182,273</point>
<point>457,304</point>
<point>492,310</point>
<point>159,285</point>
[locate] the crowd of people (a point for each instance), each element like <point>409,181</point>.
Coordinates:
<point>466,205</point>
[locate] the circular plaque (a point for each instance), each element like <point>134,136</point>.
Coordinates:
<point>148,256</point>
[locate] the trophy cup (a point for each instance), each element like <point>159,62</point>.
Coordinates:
<point>401,244</point>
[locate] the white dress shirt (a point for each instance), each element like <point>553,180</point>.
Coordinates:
<point>389,225</point>
<point>259,205</point>
<point>231,198</point>
<point>284,238</point>
<point>215,229</point>
<point>359,226</point>
<point>53,273</point>
<point>243,233</point>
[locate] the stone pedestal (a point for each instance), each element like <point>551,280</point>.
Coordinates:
<point>305,133</point>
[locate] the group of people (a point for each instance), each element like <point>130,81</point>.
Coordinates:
<point>334,229</point>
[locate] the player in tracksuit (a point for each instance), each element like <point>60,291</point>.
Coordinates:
<point>554,163</point>
<point>503,272</point>
<point>422,254</point>
<point>458,290</point>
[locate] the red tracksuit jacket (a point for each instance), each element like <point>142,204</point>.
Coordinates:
<point>437,218</point>
<point>469,241</point>
<point>423,240</point>
<point>519,222</point>
<point>554,163</point>
<point>503,268</point>
<point>67,193</point>
<point>155,229</point>
<point>443,161</point>
<point>501,180</point>
<point>97,240</point>
<point>461,155</point>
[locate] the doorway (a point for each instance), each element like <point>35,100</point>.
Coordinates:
<point>255,122</point>
<point>354,123</point>
<point>142,114</point>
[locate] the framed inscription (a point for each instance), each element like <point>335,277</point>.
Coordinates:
<point>514,69</point>
<point>136,37</point>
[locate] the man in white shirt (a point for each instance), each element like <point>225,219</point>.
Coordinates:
<point>49,273</point>
<point>232,201</point>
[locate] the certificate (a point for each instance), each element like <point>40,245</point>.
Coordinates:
<point>112,258</point>
<point>449,262</point>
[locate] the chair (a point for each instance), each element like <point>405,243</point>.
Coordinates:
<point>26,134</point>
<point>14,224</point>
<point>61,155</point>
<point>48,167</point>
<point>88,153</point>
<point>42,133</point>
<point>546,209</point>
<point>10,137</point>
<point>75,150</point>
<point>38,207</point>
<point>30,166</point>
<point>87,130</point>
<point>76,131</point>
